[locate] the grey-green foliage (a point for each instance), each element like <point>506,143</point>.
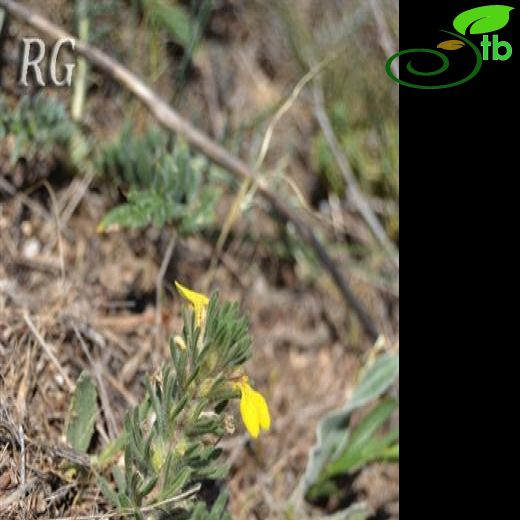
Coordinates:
<point>173,17</point>
<point>102,21</point>
<point>364,446</point>
<point>341,449</point>
<point>169,439</point>
<point>217,512</point>
<point>38,124</point>
<point>82,413</point>
<point>165,183</point>
<point>183,27</point>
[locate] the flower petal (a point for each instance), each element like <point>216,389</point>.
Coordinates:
<point>249,413</point>
<point>262,409</point>
<point>193,297</point>
<point>198,300</point>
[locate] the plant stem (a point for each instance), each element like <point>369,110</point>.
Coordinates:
<point>80,83</point>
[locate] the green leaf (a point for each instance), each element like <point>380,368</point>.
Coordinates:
<point>391,453</point>
<point>107,490</point>
<point>333,430</point>
<point>119,478</point>
<point>164,181</point>
<point>362,446</point>
<point>82,413</point>
<point>147,486</point>
<point>377,378</point>
<point>111,450</point>
<point>219,507</point>
<point>218,512</point>
<point>174,18</point>
<point>481,20</point>
<point>174,481</point>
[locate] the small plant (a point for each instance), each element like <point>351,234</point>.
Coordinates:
<point>38,124</point>
<point>170,440</point>
<point>164,184</point>
<point>342,449</point>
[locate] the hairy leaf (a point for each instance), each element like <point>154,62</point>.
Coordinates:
<point>333,430</point>
<point>82,413</point>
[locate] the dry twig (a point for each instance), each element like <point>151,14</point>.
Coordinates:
<point>17,495</point>
<point>47,349</point>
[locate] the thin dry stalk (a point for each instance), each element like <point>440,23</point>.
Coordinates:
<point>48,351</point>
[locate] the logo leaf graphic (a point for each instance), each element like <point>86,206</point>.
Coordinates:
<point>481,20</point>
<point>451,45</point>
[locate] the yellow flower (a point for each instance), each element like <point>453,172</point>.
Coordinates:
<point>253,408</point>
<point>198,301</point>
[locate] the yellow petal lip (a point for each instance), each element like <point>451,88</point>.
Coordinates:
<point>253,408</point>
<point>262,409</point>
<point>193,297</point>
<point>249,415</point>
<point>198,300</point>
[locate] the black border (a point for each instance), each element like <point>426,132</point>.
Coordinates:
<point>459,158</point>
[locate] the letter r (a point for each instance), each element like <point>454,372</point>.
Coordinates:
<point>26,62</point>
